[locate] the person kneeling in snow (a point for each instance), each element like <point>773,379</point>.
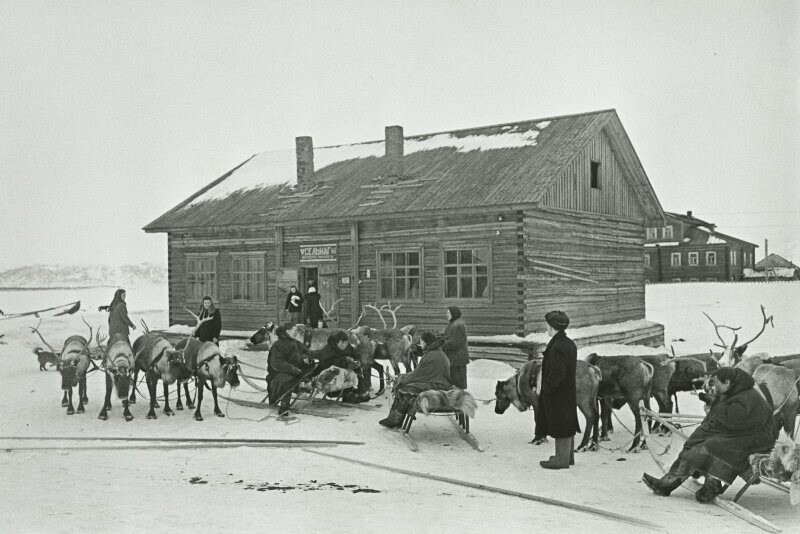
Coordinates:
<point>285,368</point>
<point>433,372</point>
<point>738,423</point>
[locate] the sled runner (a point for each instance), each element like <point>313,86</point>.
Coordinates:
<point>459,420</point>
<point>297,409</point>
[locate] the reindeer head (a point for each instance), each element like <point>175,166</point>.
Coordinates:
<point>263,334</point>
<point>732,353</point>
<point>122,374</point>
<point>230,366</point>
<point>69,373</point>
<point>177,364</point>
<point>503,395</point>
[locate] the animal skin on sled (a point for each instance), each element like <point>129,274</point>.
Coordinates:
<point>336,379</point>
<point>783,463</point>
<point>453,399</point>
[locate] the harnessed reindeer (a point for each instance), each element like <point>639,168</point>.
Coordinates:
<point>393,344</point>
<point>118,363</point>
<point>207,363</point>
<point>779,382</point>
<point>159,360</point>
<point>73,364</point>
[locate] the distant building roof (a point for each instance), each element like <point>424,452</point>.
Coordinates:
<point>501,165</point>
<point>691,220</point>
<point>776,262</point>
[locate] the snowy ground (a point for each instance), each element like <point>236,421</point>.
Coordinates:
<point>210,490</point>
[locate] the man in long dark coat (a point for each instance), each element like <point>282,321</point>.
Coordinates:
<point>557,399</point>
<point>739,422</point>
<point>286,367</point>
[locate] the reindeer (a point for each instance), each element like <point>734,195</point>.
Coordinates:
<point>521,390</point>
<point>393,343</point>
<point>72,363</point>
<point>207,363</point>
<point>118,363</point>
<point>159,360</point>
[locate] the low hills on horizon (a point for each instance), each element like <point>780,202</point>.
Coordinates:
<point>77,276</point>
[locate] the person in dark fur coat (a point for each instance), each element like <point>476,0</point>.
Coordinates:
<point>285,368</point>
<point>210,330</point>
<point>739,423</point>
<point>313,309</point>
<point>455,347</point>
<point>557,399</point>
<point>118,320</point>
<point>433,372</point>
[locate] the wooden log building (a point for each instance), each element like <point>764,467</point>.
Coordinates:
<point>506,221</point>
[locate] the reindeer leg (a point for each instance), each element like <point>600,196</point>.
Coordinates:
<point>107,402</point>
<point>64,400</point>
<point>639,443</point>
<point>605,416</point>
<point>217,411</point>
<point>132,398</point>
<point>201,384</point>
<point>127,412</point>
<point>70,408</point>
<point>81,395</point>
<point>178,403</point>
<point>189,402</point>
<point>84,396</point>
<point>167,409</point>
<point>152,381</point>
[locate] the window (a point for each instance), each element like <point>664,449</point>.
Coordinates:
<point>694,258</point>
<point>399,275</point>
<point>675,259</point>
<point>647,260</point>
<point>667,232</point>
<point>733,257</point>
<point>201,277</point>
<point>247,277</point>
<point>595,174</point>
<point>652,233</point>
<point>711,258</point>
<point>694,279</point>
<point>466,273</point>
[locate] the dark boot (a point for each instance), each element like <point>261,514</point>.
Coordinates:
<point>572,450</point>
<point>394,420</point>
<point>561,459</point>
<point>711,488</point>
<point>665,485</point>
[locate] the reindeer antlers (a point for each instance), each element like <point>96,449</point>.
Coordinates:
<point>197,318</point>
<point>765,320</point>
<point>716,330</point>
<point>363,311</point>
<point>89,339</point>
<point>379,311</point>
<point>36,329</point>
<point>333,307</point>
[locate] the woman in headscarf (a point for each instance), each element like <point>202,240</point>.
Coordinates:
<point>313,309</point>
<point>557,414</point>
<point>455,347</point>
<point>118,320</point>
<point>431,373</point>
<point>738,423</point>
<point>209,331</point>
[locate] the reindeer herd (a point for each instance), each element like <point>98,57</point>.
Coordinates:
<point>151,354</point>
<point>614,381</point>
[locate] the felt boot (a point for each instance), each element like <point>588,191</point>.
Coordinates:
<point>561,459</point>
<point>394,420</point>
<point>663,486</point>
<point>711,488</point>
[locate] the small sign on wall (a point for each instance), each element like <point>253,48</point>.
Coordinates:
<point>316,253</point>
<point>345,280</point>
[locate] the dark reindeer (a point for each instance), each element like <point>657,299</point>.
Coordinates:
<point>207,363</point>
<point>625,380</point>
<point>521,390</point>
<point>118,364</point>
<point>159,360</point>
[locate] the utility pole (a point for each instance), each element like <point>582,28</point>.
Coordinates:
<point>766,260</point>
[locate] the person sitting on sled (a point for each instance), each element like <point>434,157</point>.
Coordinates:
<point>433,372</point>
<point>340,354</point>
<point>285,368</point>
<point>738,423</point>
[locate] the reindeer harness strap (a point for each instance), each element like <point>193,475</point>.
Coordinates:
<point>524,384</point>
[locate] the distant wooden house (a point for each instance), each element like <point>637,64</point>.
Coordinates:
<point>505,221</point>
<point>688,249</point>
<point>773,267</point>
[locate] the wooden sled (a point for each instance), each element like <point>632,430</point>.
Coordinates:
<point>693,485</point>
<point>752,478</point>
<point>458,419</point>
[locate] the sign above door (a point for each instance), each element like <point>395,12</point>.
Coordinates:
<point>316,253</point>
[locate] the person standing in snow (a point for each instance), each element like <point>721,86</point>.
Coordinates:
<point>455,347</point>
<point>209,331</point>
<point>294,305</point>
<point>118,320</point>
<point>313,309</point>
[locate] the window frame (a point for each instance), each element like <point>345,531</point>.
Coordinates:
<point>696,256</point>
<point>651,233</point>
<point>733,257</point>
<point>711,254</point>
<point>672,257</point>
<point>420,250</point>
<point>595,175</point>
<point>445,247</point>
<point>646,259</point>
<point>668,232</point>
<point>201,256</point>
<point>246,254</point>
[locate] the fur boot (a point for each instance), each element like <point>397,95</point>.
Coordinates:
<point>711,488</point>
<point>394,420</point>
<point>562,457</point>
<point>665,485</point>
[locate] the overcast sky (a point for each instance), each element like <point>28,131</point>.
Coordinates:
<point>111,112</point>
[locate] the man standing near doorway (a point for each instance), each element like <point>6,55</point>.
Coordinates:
<point>294,305</point>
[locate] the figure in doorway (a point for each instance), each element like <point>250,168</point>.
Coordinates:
<point>294,305</point>
<point>314,315</point>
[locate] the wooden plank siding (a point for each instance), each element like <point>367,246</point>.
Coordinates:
<point>572,190</point>
<point>605,249</point>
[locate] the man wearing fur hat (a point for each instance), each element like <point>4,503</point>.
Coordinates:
<point>557,396</point>
<point>738,423</point>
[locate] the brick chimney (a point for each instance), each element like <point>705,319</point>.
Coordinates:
<point>304,147</point>
<point>689,213</point>
<point>394,153</point>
